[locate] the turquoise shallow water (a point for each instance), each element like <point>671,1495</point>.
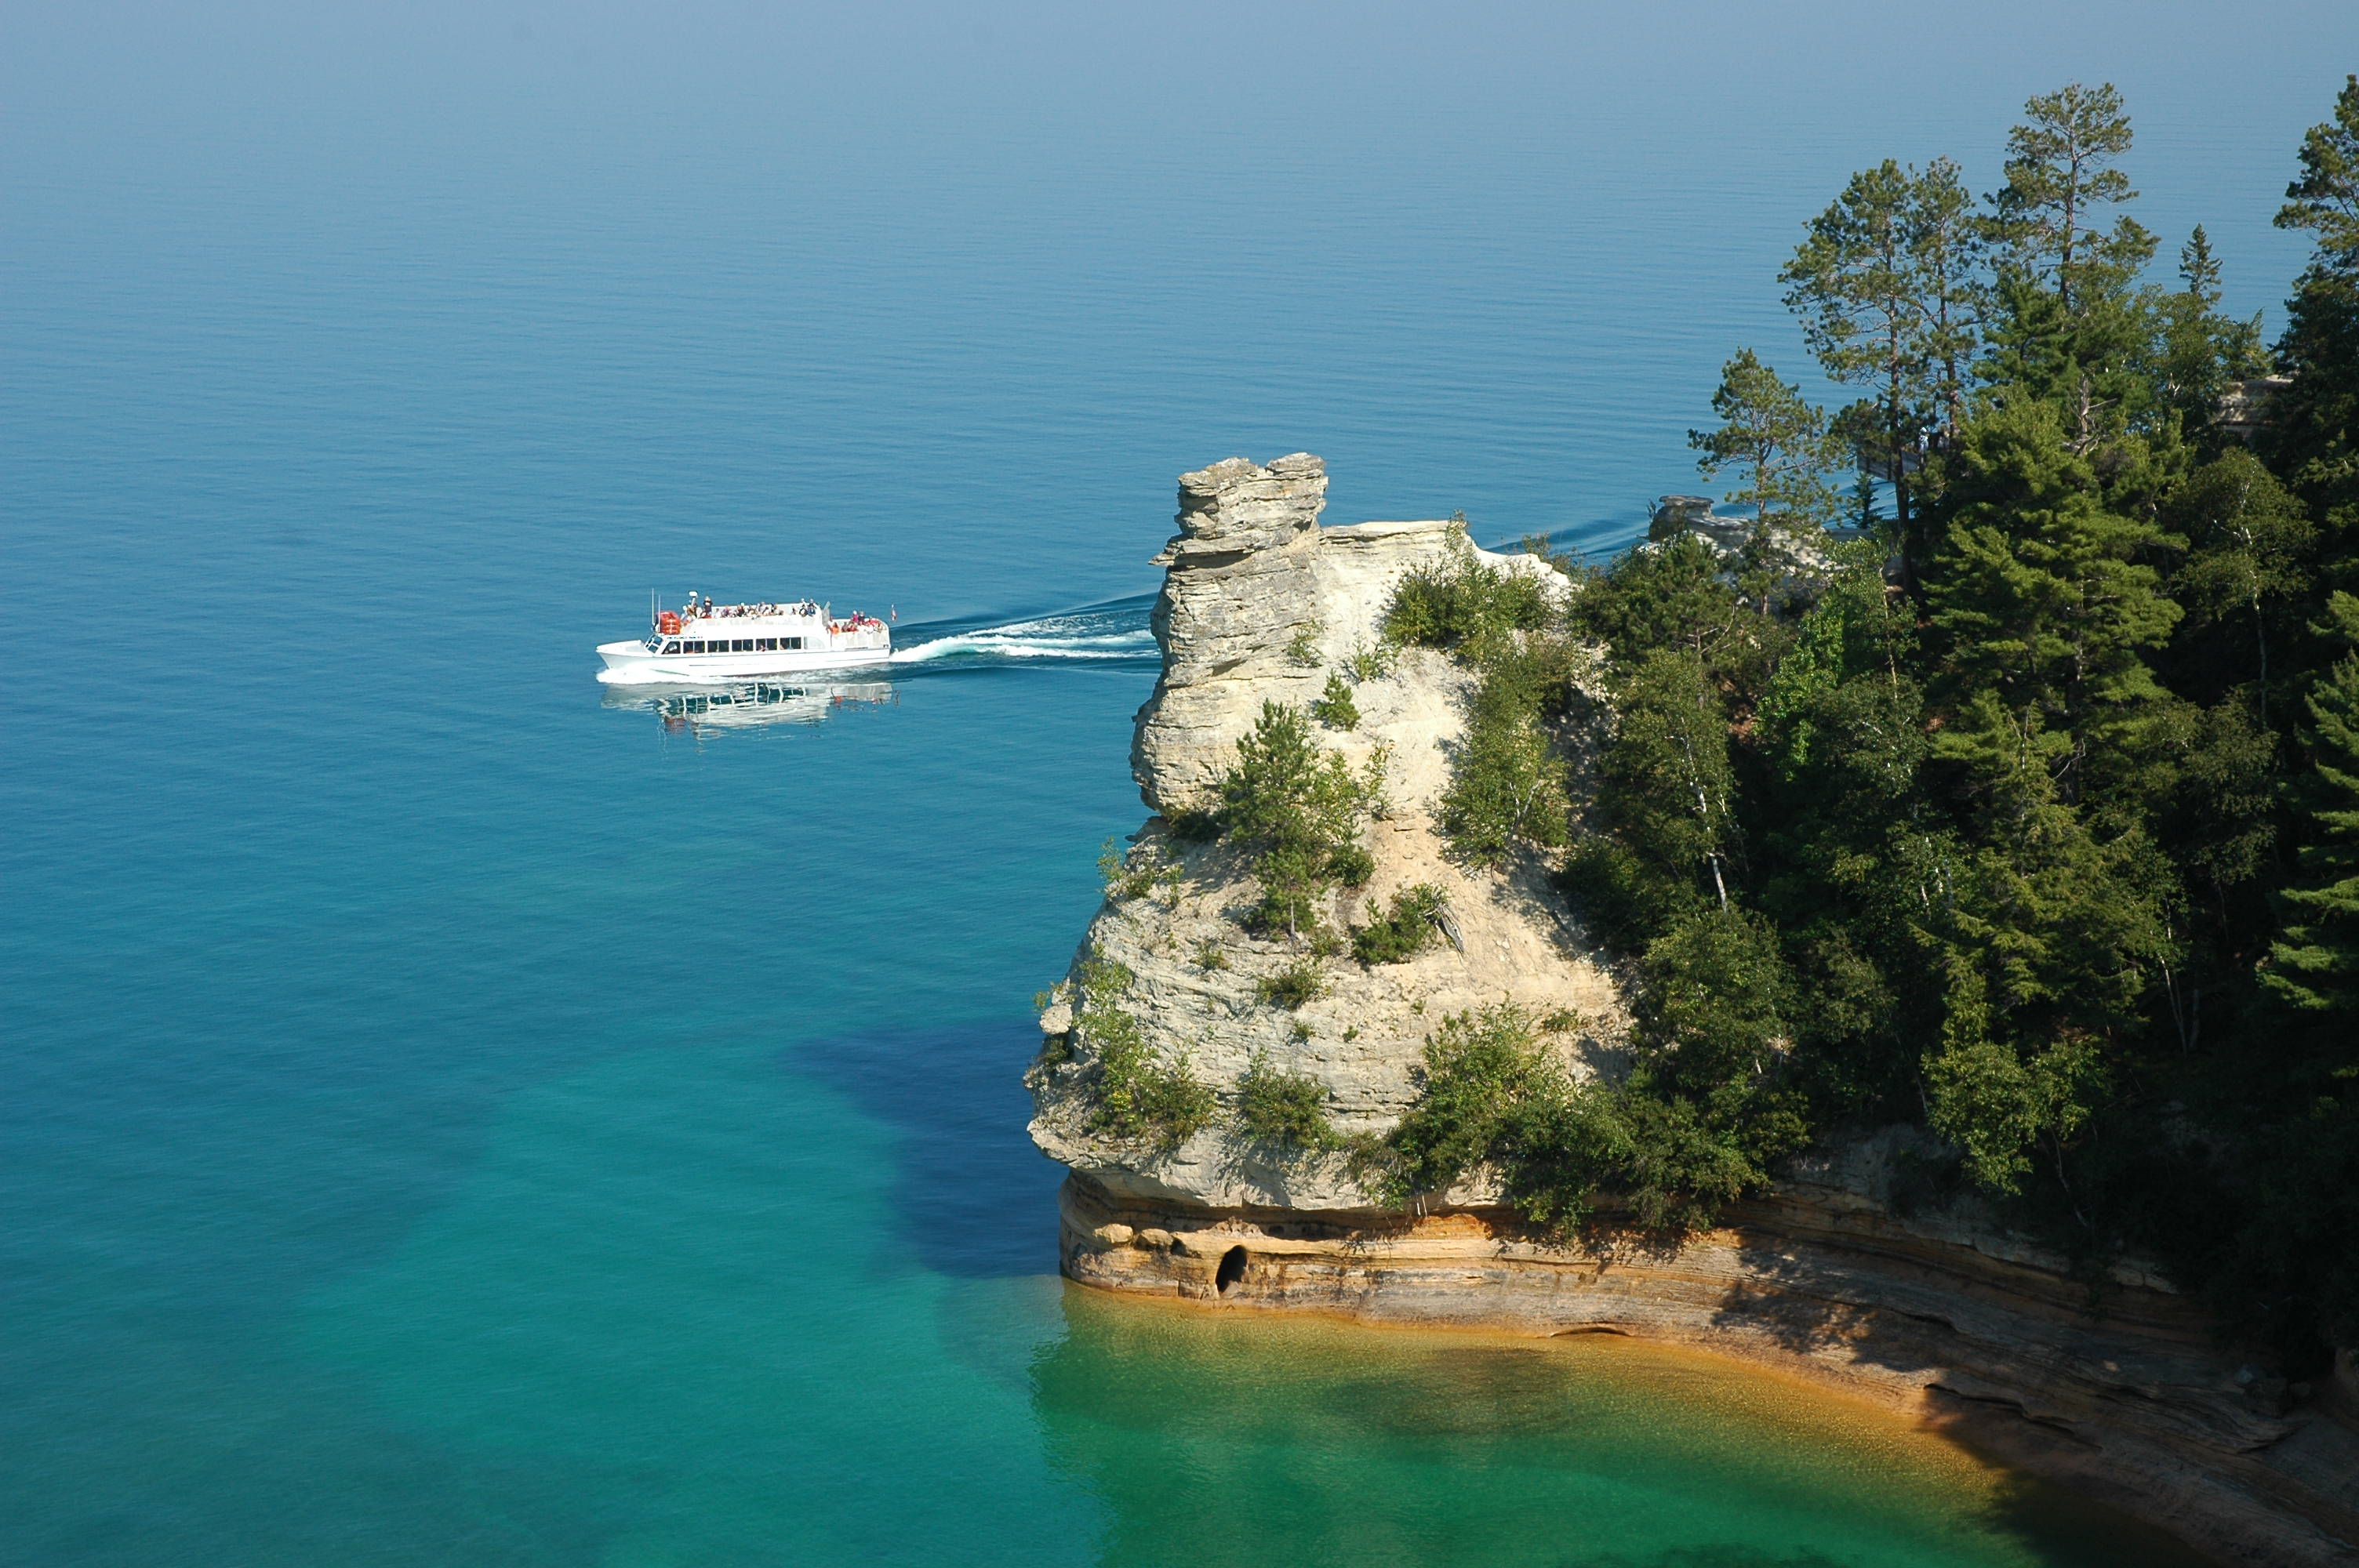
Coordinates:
<point>452,1114</point>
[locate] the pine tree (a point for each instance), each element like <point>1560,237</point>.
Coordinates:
<point>2073,326</point>
<point>1778,441</point>
<point>1953,294</point>
<point>2060,175</point>
<point>2313,442</point>
<point>2316,967</point>
<point>1886,282</point>
<point>2042,611</point>
<point>2199,350</point>
<point>2325,200</point>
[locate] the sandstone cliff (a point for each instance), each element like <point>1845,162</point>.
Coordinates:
<point>1261,603</point>
<point>2116,1385</point>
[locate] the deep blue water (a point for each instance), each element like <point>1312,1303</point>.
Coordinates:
<point>451,1113</point>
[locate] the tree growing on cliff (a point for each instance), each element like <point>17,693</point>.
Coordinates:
<point>1889,285</point>
<point>1282,1109</point>
<point>2072,328</point>
<point>2315,966</point>
<point>1297,809</point>
<point>1460,600</point>
<point>1335,706</point>
<point>2313,439</point>
<point>1490,1095</point>
<point>1778,441</point>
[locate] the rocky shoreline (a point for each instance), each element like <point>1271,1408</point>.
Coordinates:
<point>2114,1386</point>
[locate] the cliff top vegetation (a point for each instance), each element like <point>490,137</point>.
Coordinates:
<point>2006,779</point>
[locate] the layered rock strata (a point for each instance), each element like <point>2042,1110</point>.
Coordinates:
<point>2115,1386</point>
<point>1260,604</point>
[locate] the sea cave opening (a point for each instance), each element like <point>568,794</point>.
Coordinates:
<point>1232,1270</point>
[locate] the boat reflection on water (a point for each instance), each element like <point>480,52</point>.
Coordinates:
<point>744,705</point>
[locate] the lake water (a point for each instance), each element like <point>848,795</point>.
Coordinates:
<point>451,1113</point>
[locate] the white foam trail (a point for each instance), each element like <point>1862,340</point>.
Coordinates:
<point>1004,641</point>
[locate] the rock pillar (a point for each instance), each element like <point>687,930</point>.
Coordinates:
<point>1239,594</point>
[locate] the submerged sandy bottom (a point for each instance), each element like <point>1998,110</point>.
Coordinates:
<point>1223,1437</point>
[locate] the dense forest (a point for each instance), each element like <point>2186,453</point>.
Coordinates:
<point>1993,769</point>
<point>2002,776</point>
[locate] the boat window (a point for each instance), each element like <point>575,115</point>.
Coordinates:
<point>696,647</point>
<point>791,643</point>
<point>742,645</point>
<point>765,644</point>
<point>672,646</point>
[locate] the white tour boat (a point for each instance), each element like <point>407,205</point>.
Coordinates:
<point>707,641</point>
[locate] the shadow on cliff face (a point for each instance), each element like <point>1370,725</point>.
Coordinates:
<point>971,1196</point>
<point>1808,1308</point>
<point>1889,1314</point>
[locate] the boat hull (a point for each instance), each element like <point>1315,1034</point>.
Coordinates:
<point>630,663</point>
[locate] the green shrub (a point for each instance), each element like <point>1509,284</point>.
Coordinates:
<point>1481,1071</point>
<point>1671,1167</point>
<point>1372,661</point>
<point>1297,809</point>
<point>1196,826</point>
<point>1460,599</point>
<point>1404,930</point>
<point>1624,898</point>
<point>1135,1096</point>
<point>1304,648</point>
<point>1133,874</point>
<point>1490,1095</point>
<point>1275,1107</point>
<point>1210,957</point>
<point>1352,865</point>
<point>1293,986</point>
<point>1506,783</point>
<point>1335,707</point>
<point>1101,979</point>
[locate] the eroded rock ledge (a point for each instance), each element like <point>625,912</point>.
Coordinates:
<point>2116,1387</point>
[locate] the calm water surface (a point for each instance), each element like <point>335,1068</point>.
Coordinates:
<point>456,1115</point>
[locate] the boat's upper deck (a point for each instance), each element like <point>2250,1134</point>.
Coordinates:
<point>735,620</point>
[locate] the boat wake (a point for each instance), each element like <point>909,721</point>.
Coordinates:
<point>1108,634</point>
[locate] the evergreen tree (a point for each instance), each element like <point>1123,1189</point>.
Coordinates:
<point>1298,809</point>
<point>1946,244</point>
<point>2316,965</point>
<point>2313,441</point>
<point>1888,283</point>
<point>1778,441</point>
<point>2060,177</point>
<point>2325,200</point>
<point>2072,323</point>
<point>2042,608</point>
<point>2198,350</point>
